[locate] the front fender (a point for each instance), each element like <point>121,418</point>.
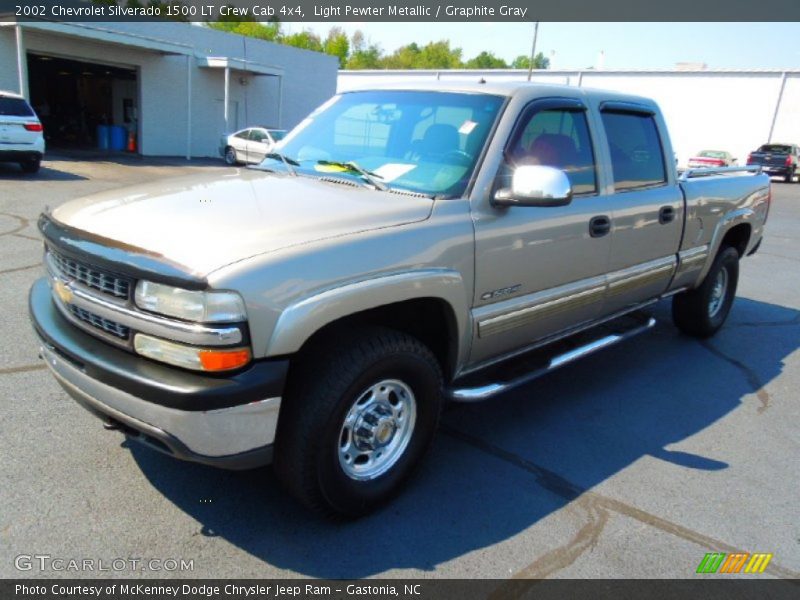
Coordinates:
<point>299,321</point>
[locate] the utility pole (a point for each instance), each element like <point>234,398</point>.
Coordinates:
<point>533,49</point>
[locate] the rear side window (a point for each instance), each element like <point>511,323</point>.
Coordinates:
<point>14,107</point>
<point>637,158</point>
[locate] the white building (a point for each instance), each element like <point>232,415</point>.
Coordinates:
<point>731,110</point>
<point>178,87</point>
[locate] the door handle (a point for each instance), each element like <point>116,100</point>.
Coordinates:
<point>599,226</point>
<point>666,215</point>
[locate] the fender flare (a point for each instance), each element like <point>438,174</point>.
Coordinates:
<point>725,224</point>
<point>299,321</point>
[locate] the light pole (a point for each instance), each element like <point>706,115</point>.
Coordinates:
<point>533,49</point>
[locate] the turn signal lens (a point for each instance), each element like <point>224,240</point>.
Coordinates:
<point>223,360</point>
<point>191,357</point>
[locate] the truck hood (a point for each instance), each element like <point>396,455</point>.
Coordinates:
<point>207,221</point>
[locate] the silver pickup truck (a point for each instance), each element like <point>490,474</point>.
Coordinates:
<point>400,248</point>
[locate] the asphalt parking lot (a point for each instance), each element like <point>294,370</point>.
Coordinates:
<point>632,463</point>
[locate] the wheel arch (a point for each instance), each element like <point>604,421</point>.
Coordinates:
<point>431,305</point>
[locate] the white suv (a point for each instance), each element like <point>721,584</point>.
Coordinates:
<point>21,133</point>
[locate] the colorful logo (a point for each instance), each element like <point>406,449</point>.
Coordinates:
<point>719,562</point>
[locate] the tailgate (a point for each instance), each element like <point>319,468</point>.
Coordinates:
<point>12,130</point>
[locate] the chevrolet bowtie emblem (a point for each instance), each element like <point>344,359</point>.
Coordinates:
<point>63,291</point>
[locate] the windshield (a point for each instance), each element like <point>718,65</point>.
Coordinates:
<point>426,142</point>
<point>277,134</point>
<point>777,148</point>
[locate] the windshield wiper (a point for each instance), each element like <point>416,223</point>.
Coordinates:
<point>372,178</point>
<point>289,163</point>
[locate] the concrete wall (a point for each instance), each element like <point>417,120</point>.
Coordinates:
<point>720,110</point>
<point>309,78</point>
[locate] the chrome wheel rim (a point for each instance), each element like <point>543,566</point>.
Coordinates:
<point>377,429</point>
<point>718,292</point>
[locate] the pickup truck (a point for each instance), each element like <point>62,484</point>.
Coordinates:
<point>400,248</point>
<point>782,160</point>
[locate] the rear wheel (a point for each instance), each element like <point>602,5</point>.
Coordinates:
<point>702,311</point>
<point>31,165</point>
<point>359,415</point>
<point>231,156</point>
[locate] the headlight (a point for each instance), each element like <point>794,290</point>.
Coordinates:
<point>191,357</point>
<point>201,307</point>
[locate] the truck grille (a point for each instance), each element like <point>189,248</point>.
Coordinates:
<point>110,327</point>
<point>106,283</point>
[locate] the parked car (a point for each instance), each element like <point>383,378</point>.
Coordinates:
<point>712,158</point>
<point>782,160</point>
<point>451,241</point>
<point>21,133</point>
<point>249,145</point>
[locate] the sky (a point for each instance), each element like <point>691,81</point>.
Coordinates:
<point>578,45</point>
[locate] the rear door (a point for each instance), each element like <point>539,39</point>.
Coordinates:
<point>15,114</point>
<point>646,206</point>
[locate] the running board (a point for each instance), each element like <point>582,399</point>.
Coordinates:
<point>482,385</point>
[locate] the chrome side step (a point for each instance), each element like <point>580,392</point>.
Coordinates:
<point>539,363</point>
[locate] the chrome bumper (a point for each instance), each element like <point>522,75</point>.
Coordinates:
<point>236,437</point>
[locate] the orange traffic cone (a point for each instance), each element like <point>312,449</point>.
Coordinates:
<point>131,141</point>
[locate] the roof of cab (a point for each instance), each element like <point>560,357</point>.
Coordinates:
<point>505,88</point>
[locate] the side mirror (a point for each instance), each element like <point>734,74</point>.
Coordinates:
<point>535,185</point>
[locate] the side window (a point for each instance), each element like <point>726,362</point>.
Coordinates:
<point>243,134</point>
<point>557,138</point>
<point>637,158</point>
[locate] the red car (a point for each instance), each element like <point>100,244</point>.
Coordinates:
<point>712,159</point>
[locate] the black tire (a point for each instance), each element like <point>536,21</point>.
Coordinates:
<point>789,177</point>
<point>31,165</point>
<point>324,390</point>
<point>231,156</point>
<point>701,312</point>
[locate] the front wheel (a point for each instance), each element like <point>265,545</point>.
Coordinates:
<point>702,311</point>
<point>359,415</point>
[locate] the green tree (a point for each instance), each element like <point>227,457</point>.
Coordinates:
<point>439,55</point>
<point>434,55</point>
<point>337,44</point>
<point>486,60</point>
<point>540,61</point>
<point>306,39</point>
<point>405,57</point>
<point>363,55</point>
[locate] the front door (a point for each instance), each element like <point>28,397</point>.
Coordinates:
<point>257,146</point>
<point>541,270</point>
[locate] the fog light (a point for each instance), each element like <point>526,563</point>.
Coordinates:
<point>191,357</point>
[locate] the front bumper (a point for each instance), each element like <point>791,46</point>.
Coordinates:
<point>222,421</point>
